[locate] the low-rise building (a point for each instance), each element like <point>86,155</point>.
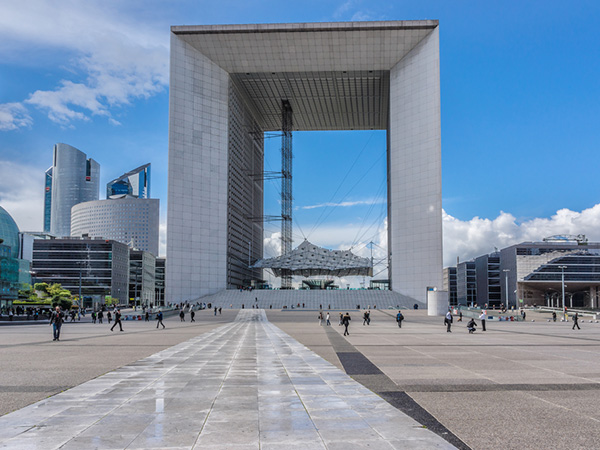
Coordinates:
<point>100,267</point>
<point>159,283</point>
<point>449,285</point>
<point>142,276</point>
<point>466,283</point>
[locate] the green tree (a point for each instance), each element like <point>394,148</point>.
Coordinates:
<point>28,294</point>
<point>110,301</point>
<point>59,296</point>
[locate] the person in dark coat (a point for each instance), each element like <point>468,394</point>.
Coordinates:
<point>192,315</point>
<point>576,321</point>
<point>346,321</point>
<point>56,320</point>
<point>471,326</point>
<point>117,320</point>
<point>159,319</point>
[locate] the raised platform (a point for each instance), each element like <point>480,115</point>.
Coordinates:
<point>312,299</point>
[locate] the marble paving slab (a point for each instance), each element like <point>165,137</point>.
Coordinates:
<point>245,385</point>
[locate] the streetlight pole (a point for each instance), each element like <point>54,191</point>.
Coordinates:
<point>562,282</point>
<point>506,285</point>
<point>80,265</point>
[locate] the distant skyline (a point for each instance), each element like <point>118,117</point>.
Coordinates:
<point>519,88</point>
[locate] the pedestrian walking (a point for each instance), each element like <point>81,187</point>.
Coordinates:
<point>365,318</point>
<point>93,316</point>
<point>327,319</point>
<point>448,322</point>
<point>320,317</point>
<point>109,316</point>
<point>192,315</point>
<point>346,321</point>
<point>147,316</point>
<point>101,317</point>
<point>221,309</point>
<point>399,318</point>
<point>341,319</point>
<point>216,309</point>
<point>459,316</point>
<point>181,316</point>
<point>553,316</point>
<point>159,319</point>
<point>576,321</point>
<point>117,320</point>
<point>482,317</point>
<point>56,320</point>
<point>523,315</point>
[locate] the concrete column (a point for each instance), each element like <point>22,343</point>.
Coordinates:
<point>197,206</point>
<point>437,303</point>
<point>415,171</point>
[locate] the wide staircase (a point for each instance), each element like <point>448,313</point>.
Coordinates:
<point>312,299</point>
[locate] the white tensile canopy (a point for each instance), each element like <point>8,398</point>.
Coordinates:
<point>310,260</point>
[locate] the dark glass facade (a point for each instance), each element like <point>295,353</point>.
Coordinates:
<point>47,199</point>
<point>103,266</point>
<point>135,183</point>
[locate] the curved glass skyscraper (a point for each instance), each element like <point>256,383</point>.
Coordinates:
<point>75,179</point>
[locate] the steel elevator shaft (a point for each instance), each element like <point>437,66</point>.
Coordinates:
<point>286,187</point>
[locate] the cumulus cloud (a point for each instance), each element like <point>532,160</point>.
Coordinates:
<point>116,59</point>
<point>14,116</point>
<point>22,194</point>
<point>478,236</point>
<point>463,238</point>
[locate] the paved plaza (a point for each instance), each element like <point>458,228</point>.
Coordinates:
<point>241,381</point>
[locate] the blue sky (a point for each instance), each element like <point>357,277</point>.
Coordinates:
<point>519,85</point>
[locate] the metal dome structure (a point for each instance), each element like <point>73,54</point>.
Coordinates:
<point>9,232</point>
<point>311,260</point>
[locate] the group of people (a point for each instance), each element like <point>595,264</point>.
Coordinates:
<point>471,324</point>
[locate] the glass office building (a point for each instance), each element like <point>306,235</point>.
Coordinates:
<point>14,272</point>
<point>135,183</point>
<point>47,200</point>
<point>102,267</point>
<point>75,179</point>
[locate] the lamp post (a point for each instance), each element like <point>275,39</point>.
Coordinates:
<point>80,265</point>
<point>562,282</point>
<point>506,285</point>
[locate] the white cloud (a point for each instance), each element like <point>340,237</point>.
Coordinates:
<point>162,237</point>
<point>22,194</point>
<point>346,204</point>
<point>475,237</point>
<point>272,245</point>
<point>463,238</point>
<point>13,116</point>
<point>116,59</point>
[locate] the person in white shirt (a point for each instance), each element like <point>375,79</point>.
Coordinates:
<point>482,317</point>
<point>448,322</point>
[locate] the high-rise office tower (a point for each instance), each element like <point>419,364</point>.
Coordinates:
<point>75,179</point>
<point>135,183</point>
<point>47,200</point>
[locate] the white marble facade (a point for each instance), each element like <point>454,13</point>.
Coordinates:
<point>312,66</point>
